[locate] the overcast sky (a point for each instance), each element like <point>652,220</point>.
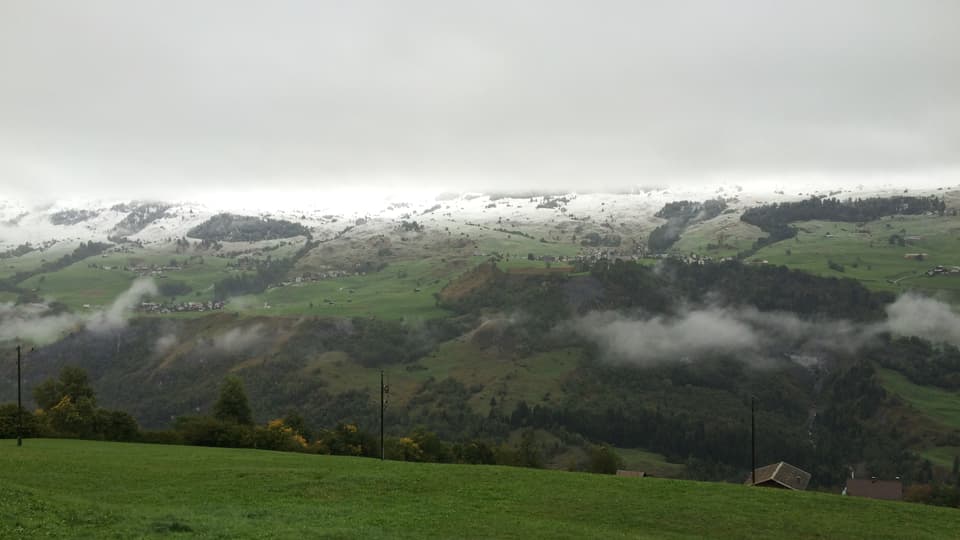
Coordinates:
<point>156,98</point>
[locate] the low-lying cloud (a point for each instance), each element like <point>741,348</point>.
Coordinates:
<point>115,317</point>
<point>923,317</point>
<point>715,330</point>
<point>239,339</point>
<point>165,343</point>
<point>33,322</point>
<point>37,323</point>
<point>757,336</point>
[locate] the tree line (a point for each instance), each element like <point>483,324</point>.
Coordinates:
<point>68,409</point>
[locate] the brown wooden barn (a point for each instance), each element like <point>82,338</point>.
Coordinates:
<point>889,490</point>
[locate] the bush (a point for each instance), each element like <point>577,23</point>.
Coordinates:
<point>207,431</point>
<point>162,437</point>
<point>603,460</point>
<point>115,426</point>
<point>279,436</point>
<point>8,422</point>
<point>346,440</point>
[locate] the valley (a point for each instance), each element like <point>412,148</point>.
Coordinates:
<point>491,316</point>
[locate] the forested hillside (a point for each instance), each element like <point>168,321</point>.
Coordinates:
<point>517,342</point>
<point>471,376</point>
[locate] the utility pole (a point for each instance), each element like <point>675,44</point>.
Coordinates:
<point>753,439</point>
<point>382,451</point>
<point>19,404</point>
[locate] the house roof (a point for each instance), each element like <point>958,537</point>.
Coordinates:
<point>632,474</point>
<point>782,473</point>
<point>891,490</point>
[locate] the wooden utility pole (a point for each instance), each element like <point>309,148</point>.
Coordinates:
<point>19,404</point>
<point>382,452</point>
<point>753,439</point>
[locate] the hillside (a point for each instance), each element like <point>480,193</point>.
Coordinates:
<point>491,315</point>
<point>81,489</point>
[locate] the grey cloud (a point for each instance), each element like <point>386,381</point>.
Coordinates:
<point>239,339</point>
<point>752,334</point>
<point>927,318</point>
<point>661,339</point>
<point>34,322</point>
<point>165,342</point>
<point>115,317</point>
<point>137,98</point>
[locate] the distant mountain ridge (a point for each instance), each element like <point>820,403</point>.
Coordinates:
<point>164,220</point>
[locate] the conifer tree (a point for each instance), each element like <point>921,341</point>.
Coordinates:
<point>232,405</point>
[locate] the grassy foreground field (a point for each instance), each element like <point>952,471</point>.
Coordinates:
<point>81,489</point>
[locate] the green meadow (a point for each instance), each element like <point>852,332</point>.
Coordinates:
<point>722,236</point>
<point>29,261</point>
<point>942,456</point>
<point>401,290</point>
<point>651,463</point>
<point>82,283</point>
<point>538,378</point>
<point>865,252</point>
<point>84,489</point>
<point>935,403</point>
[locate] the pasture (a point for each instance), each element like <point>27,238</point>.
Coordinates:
<point>85,489</point>
<point>871,252</point>
<point>937,404</point>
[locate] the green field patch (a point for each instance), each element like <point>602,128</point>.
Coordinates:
<point>508,380</point>
<point>339,373</point>
<point>936,403</point>
<point>536,379</point>
<point>401,290</point>
<point>79,285</point>
<point>865,252</point>
<point>199,272</point>
<point>942,456</point>
<point>722,236</point>
<point>99,280</point>
<point>635,459</point>
<point>34,259</point>
<point>86,489</point>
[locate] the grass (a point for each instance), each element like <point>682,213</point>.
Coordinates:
<point>34,259</point>
<point>535,379</point>
<point>82,489</point>
<point>867,255</point>
<point>942,456</point>
<point>726,232</point>
<point>635,459</point>
<point>78,284</point>
<point>935,403</point>
<point>390,293</point>
<point>401,290</point>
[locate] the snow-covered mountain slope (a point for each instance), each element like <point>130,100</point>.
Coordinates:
<point>74,221</point>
